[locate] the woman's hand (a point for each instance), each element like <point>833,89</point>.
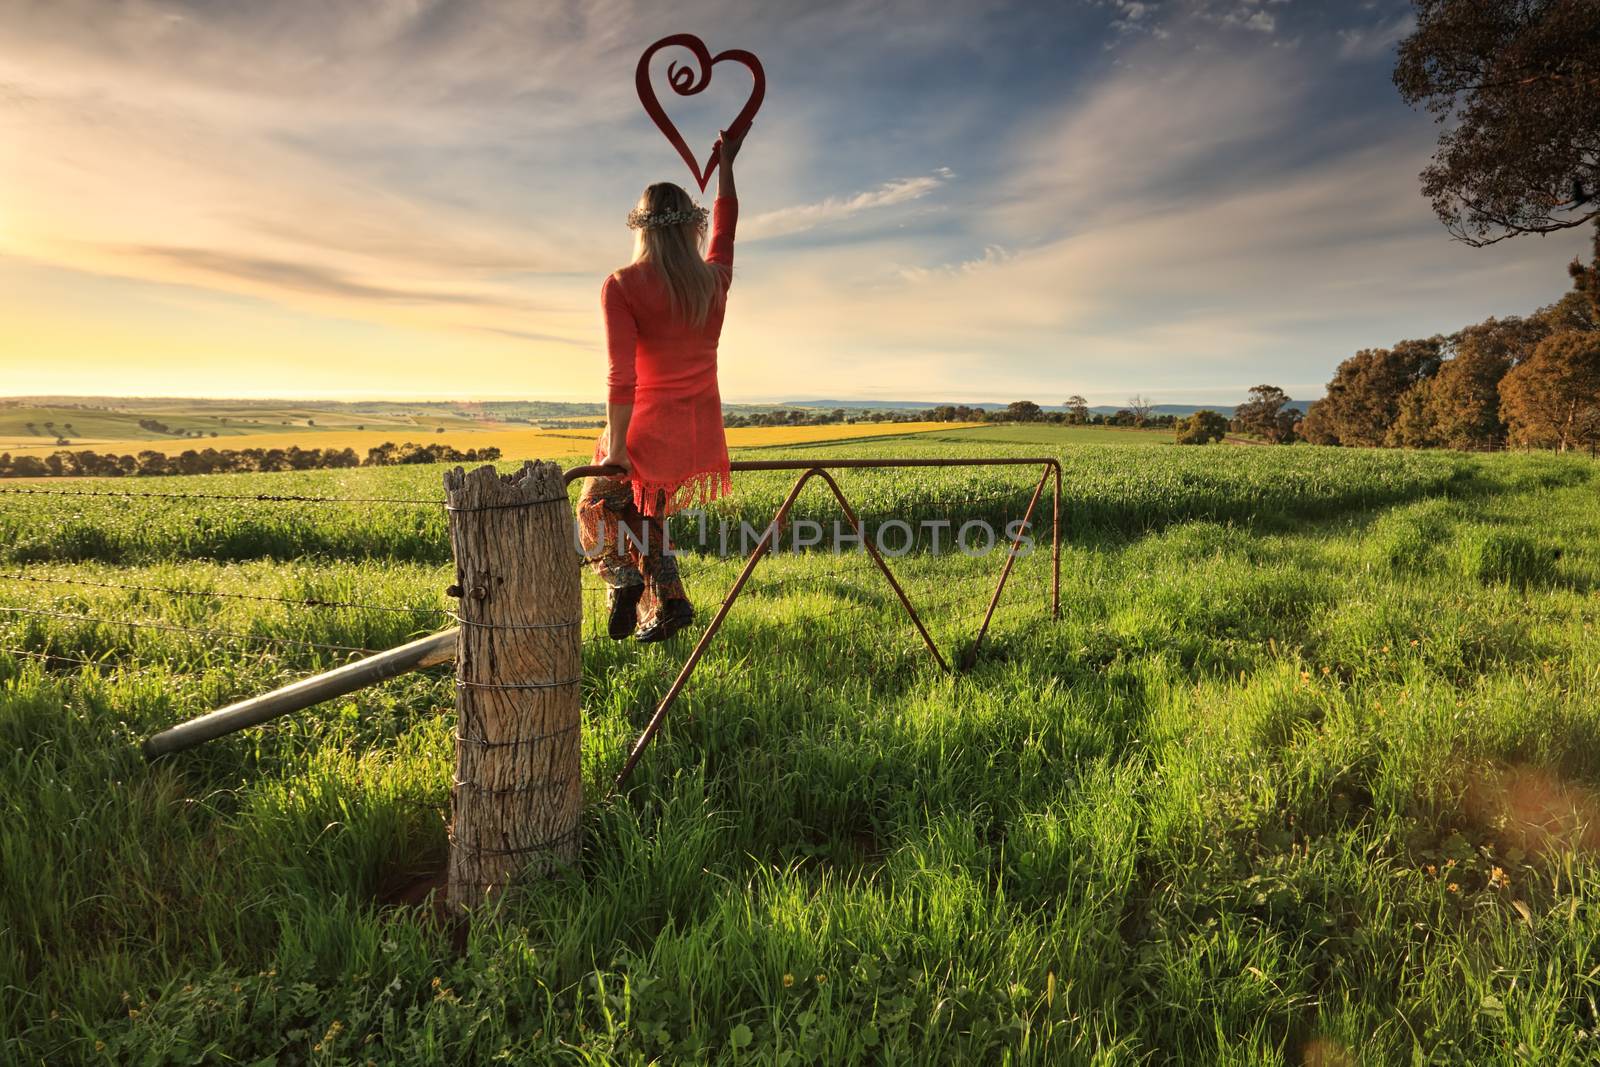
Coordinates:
<point>616,457</point>
<point>728,147</point>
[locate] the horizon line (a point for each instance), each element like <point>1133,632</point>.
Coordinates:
<point>367,398</point>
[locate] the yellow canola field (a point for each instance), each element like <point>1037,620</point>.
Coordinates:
<point>513,444</point>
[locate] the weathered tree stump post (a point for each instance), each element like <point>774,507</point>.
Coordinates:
<point>517,797</point>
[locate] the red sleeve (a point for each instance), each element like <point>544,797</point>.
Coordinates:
<point>724,216</point>
<point>622,335</point>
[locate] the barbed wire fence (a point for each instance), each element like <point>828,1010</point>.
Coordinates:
<point>434,616</point>
<point>14,573</point>
<point>67,617</point>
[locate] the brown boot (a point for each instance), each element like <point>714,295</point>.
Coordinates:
<point>673,616</point>
<point>624,611</point>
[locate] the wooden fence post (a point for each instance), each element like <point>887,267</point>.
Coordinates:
<point>518,792</point>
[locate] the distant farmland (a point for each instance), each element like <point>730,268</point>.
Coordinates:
<point>36,428</point>
<point>529,443</point>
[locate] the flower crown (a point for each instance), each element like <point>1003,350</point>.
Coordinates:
<point>639,219</point>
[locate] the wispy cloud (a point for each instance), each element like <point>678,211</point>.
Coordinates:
<point>1260,21</point>
<point>1168,125</point>
<point>591,343</point>
<point>1377,41</point>
<point>1161,18</point>
<point>1131,15</point>
<point>801,217</point>
<point>992,256</point>
<point>318,281</point>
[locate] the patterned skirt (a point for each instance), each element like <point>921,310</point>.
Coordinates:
<point>626,547</point>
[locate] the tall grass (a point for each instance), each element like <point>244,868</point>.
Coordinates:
<point>1300,776</point>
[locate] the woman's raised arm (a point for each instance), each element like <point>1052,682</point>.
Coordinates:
<point>727,148</point>
<point>725,211</point>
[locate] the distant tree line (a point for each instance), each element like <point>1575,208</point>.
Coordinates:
<point>1529,382</point>
<point>817,417</point>
<point>794,417</point>
<point>1266,416</point>
<point>1139,413</point>
<point>66,463</point>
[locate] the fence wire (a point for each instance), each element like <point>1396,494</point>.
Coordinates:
<point>267,498</point>
<point>301,602</point>
<point>859,604</point>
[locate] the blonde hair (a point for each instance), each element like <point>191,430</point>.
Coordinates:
<point>677,251</point>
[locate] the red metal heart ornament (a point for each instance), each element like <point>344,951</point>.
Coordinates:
<point>684,83</point>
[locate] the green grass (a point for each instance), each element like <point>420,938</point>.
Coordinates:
<point>1300,776</point>
<point>1052,436</point>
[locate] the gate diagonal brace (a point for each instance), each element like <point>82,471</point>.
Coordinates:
<point>769,539</point>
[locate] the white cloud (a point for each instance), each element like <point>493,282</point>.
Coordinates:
<point>1130,15</point>
<point>1263,21</point>
<point>992,256</point>
<point>801,217</point>
<point>1143,136</point>
<point>1159,18</point>
<point>1375,42</point>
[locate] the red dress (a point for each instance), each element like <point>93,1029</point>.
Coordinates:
<point>667,370</point>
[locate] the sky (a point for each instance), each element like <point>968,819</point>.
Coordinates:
<point>962,201</point>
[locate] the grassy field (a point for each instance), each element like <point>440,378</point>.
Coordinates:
<point>1308,772</point>
<point>513,443</point>
<point>35,428</point>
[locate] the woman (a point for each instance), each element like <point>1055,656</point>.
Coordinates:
<point>663,315</point>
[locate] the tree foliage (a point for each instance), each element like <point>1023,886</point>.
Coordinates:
<point>1412,426</point>
<point>1364,399</point>
<point>1023,411</point>
<point>1463,402</point>
<point>1266,414</point>
<point>1552,399</point>
<point>1516,86</point>
<point>1201,428</point>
